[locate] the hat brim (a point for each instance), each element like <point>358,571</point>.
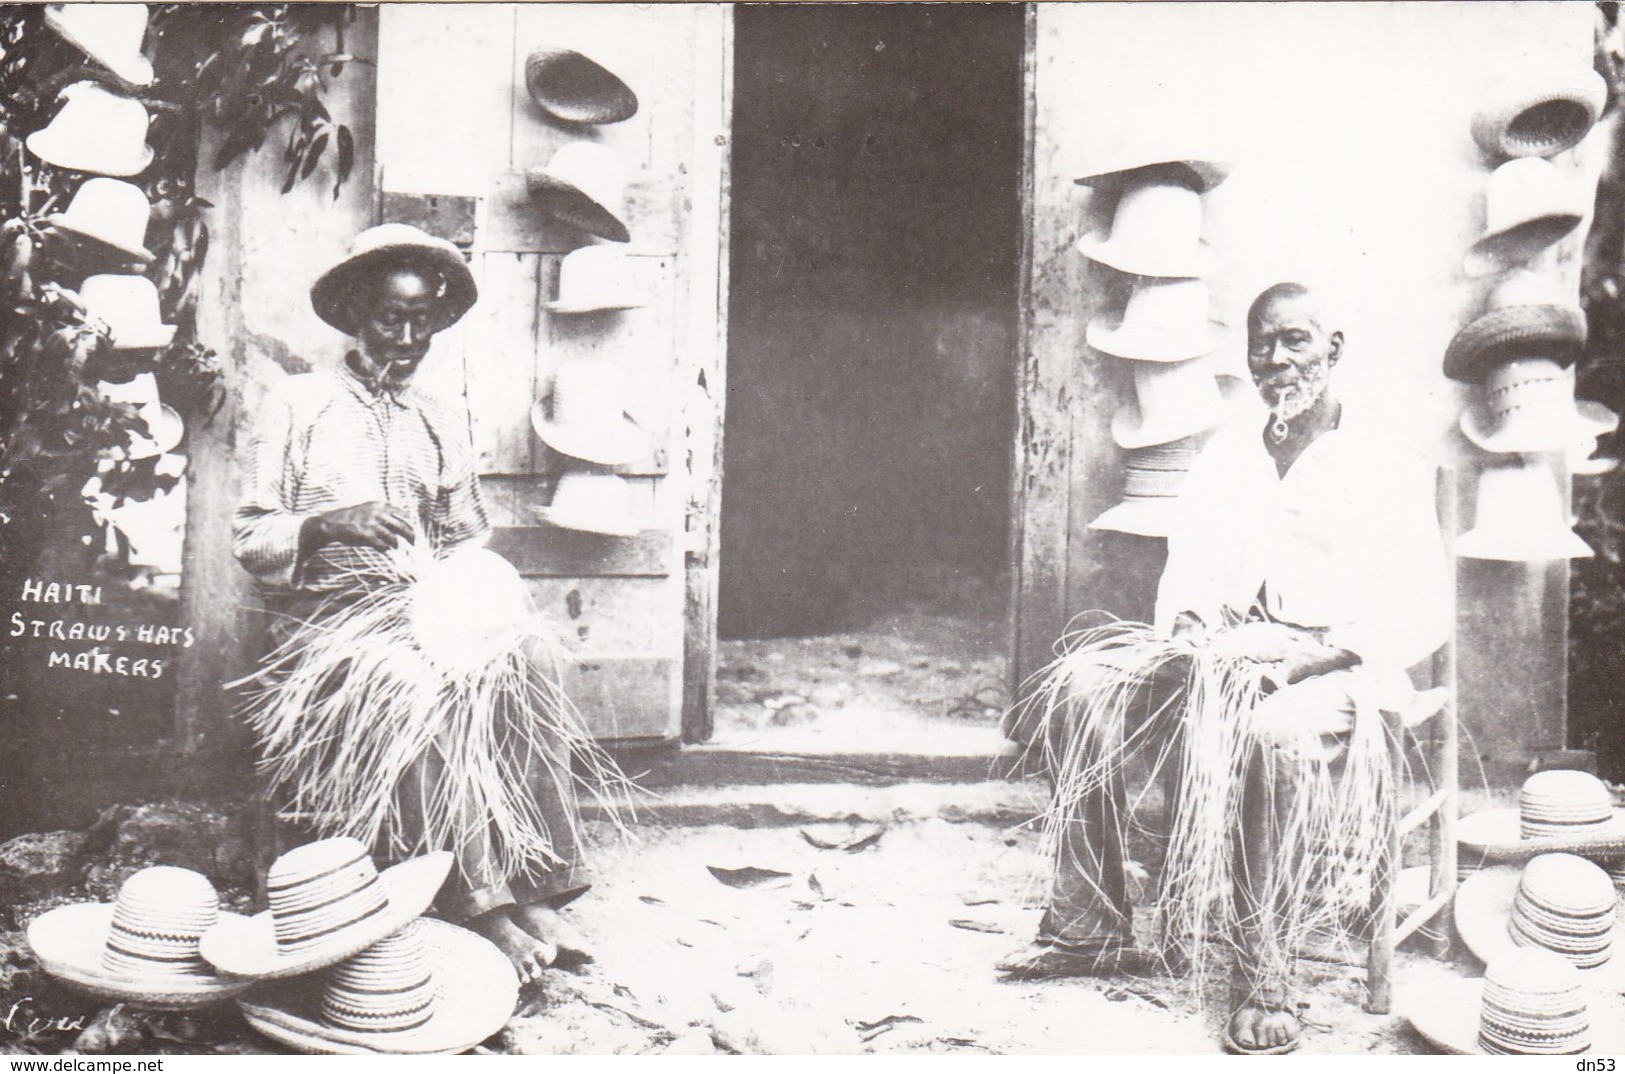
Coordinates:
<point>603,306</point>
<point>106,248</point>
<point>1545,331</point>
<point>1522,120</point>
<point>611,445</point>
<point>246,946</point>
<point>162,435</point>
<point>1140,517</point>
<point>577,89</point>
<point>1131,258</point>
<point>1497,835</point>
<point>1550,544</point>
<point>78,157</point>
<point>68,942</point>
<point>600,524</point>
<point>1501,250</point>
<point>133,69</point>
<point>330,293</point>
<point>1208,173</point>
<point>476,991</point>
<point>1130,430</point>
<point>1484,915</point>
<point>1446,1014</point>
<point>1586,423</point>
<point>567,202</point>
<point>1156,345</point>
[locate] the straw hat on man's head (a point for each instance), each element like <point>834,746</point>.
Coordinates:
<point>384,248</point>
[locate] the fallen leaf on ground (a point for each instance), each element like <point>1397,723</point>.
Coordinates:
<point>651,900</point>
<point>843,837</point>
<point>748,876</point>
<point>868,1031</point>
<point>979,900</point>
<point>1118,995</point>
<point>971,925</point>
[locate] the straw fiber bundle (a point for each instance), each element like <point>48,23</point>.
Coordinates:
<point>1105,709</point>
<point>372,681</point>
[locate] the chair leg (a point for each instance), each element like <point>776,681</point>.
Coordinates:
<point>1384,910</point>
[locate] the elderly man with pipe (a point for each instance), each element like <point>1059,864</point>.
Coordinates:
<point>412,698</point>
<point>1305,576</point>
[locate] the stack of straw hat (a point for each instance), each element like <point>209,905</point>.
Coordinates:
<point>1558,811</point>
<point>1165,330</point>
<point>1519,351</point>
<point>1529,1002</point>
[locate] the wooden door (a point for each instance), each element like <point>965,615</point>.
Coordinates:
<point>457,131</point>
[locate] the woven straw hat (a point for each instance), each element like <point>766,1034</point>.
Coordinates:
<point>584,416</point>
<point>1153,478</point>
<point>1156,231</point>
<point>1520,518</point>
<point>1528,1002</point>
<point>1529,406</point>
<point>328,902</point>
<point>456,632</point>
<point>1558,810</point>
<point>1557,902</point>
<point>110,34</point>
<point>110,217</point>
<point>1164,320</point>
<point>430,988</point>
<point>96,131</point>
<point>1525,316</point>
<point>582,185</point>
<point>1539,113</point>
<point>596,278</point>
<point>593,502</point>
<point>128,305</point>
<point>164,426</point>
<point>1173,400</point>
<point>391,246</point>
<point>141,948</point>
<point>1185,164</point>
<point>577,89</point>
<point>1529,204</point>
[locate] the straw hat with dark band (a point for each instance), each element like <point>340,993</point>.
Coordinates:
<point>392,246</point>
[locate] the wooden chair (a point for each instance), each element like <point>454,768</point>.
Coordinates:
<point>1435,735</point>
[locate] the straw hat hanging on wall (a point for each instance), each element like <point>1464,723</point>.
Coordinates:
<point>1520,518</point>
<point>1156,230</point>
<point>1525,316</point>
<point>1164,320</point>
<point>1529,204</point>
<point>583,186</point>
<point>96,131</point>
<point>1539,112</point>
<point>1173,400</point>
<point>1528,405</point>
<point>110,34</point>
<point>109,218</point>
<point>575,88</point>
<point>596,278</point>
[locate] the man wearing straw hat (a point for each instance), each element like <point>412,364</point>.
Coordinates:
<point>359,487</point>
<point>1305,574</point>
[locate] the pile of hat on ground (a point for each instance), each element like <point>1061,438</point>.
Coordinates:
<point>582,416</point>
<point>1165,331</point>
<point>1519,352</point>
<point>1544,916</point>
<point>101,131</point>
<point>341,962</point>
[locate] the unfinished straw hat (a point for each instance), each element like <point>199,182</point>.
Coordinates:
<point>1557,902</point>
<point>1538,113</point>
<point>128,306</point>
<point>596,278</point>
<point>141,948</point>
<point>1520,517</point>
<point>593,502</point>
<point>110,34</point>
<point>1173,400</point>
<point>1164,320</point>
<point>465,634</point>
<point>430,988</point>
<point>1153,478</point>
<point>1529,1002</point>
<point>1529,204</point>
<point>1559,809</point>
<point>392,246</point>
<point>1156,230</point>
<point>1529,406</point>
<point>577,89</point>
<point>328,902</point>
<point>109,216</point>
<point>583,186</point>
<point>584,415</point>
<point>1525,316</point>
<point>96,131</point>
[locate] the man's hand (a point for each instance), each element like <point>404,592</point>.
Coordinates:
<point>1266,643</point>
<point>373,525</point>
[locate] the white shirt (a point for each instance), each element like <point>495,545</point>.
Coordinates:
<point>1347,541</point>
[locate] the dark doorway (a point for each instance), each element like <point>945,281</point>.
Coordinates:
<point>872,322</point>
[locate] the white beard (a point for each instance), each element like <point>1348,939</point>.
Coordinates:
<point>1299,397</point>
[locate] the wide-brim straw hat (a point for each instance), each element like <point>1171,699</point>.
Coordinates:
<point>1539,113</point>
<point>1497,834</point>
<point>97,131</point>
<point>1483,914</point>
<point>391,246</point>
<point>1128,165</point>
<point>577,89</point>
<point>109,216</point>
<point>582,186</point>
<point>584,417</point>
<point>1548,330</point>
<point>69,941</point>
<point>1529,205</point>
<point>247,946</point>
<point>1586,422</point>
<point>1520,517</point>
<point>475,993</point>
<point>1447,1014</point>
<point>591,502</point>
<point>1548,799</point>
<point>110,34</point>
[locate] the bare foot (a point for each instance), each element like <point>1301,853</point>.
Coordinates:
<point>1253,1028</point>
<point>550,927</point>
<point>529,954</point>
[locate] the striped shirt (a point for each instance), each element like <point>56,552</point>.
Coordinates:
<point>327,440</point>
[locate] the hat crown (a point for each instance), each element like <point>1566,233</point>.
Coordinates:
<point>1158,472</point>
<point>460,632</point>
<point>1562,801</point>
<point>387,988</point>
<point>597,276</point>
<point>1167,305</point>
<point>586,394</point>
<point>108,209</point>
<point>128,305</point>
<point>380,236</point>
<point>1534,1004</point>
<point>594,501</point>
<point>320,888</point>
<point>1166,388</point>
<point>1159,215</point>
<point>593,169</point>
<point>1525,288</point>
<point>97,131</point>
<point>159,916</point>
<point>1531,394</point>
<point>1520,516</point>
<point>110,34</point>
